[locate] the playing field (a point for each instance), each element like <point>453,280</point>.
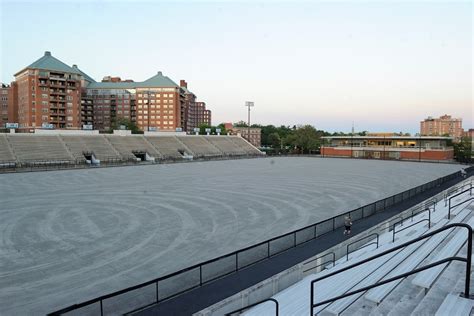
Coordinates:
<point>68,236</point>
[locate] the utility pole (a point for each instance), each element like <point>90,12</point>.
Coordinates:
<point>248,104</point>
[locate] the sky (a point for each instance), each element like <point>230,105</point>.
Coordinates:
<point>384,65</point>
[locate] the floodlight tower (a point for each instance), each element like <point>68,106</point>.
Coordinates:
<point>248,104</point>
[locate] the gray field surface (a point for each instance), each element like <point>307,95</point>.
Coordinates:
<point>69,236</point>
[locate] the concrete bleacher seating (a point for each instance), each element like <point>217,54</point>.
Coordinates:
<point>127,145</point>
<point>168,146</point>
<point>226,145</point>
<point>245,145</point>
<point>200,146</point>
<point>6,155</point>
<point>98,145</point>
<point>409,293</point>
<point>35,148</point>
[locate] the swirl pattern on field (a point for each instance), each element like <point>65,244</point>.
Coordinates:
<point>68,236</point>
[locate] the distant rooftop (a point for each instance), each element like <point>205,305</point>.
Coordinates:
<point>157,80</point>
<point>388,137</point>
<point>48,62</point>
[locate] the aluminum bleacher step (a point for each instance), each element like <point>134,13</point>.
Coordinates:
<point>455,305</point>
<point>406,260</point>
<point>426,278</point>
<point>376,295</point>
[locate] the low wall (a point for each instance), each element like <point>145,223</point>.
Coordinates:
<point>68,132</point>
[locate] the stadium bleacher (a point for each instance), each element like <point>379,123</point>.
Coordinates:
<point>35,148</point>
<point>98,145</point>
<point>32,149</point>
<point>225,145</point>
<point>200,146</point>
<point>168,146</point>
<point>412,294</point>
<point>244,145</point>
<point>127,145</point>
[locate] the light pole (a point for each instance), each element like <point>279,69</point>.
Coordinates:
<point>248,104</point>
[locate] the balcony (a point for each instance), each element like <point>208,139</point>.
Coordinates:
<point>57,84</point>
<point>57,78</point>
<point>57,92</point>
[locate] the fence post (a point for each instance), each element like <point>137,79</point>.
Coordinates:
<point>236,261</point>
<point>468,263</point>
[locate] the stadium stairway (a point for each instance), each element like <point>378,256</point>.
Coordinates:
<point>295,299</point>
<point>218,293</point>
<point>6,152</point>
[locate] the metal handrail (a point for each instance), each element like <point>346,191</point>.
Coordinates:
<point>411,217</point>
<point>456,189</point>
<point>402,195</point>
<point>333,260</point>
<point>450,207</point>
<point>277,306</point>
<point>363,246</point>
<point>449,226</point>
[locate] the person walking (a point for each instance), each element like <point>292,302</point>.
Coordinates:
<point>347,225</point>
<point>463,173</point>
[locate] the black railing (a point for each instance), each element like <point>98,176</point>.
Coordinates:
<point>277,307</point>
<point>363,246</point>
<point>449,226</point>
<point>332,260</point>
<point>456,189</point>
<point>452,197</point>
<point>394,231</point>
<point>205,272</point>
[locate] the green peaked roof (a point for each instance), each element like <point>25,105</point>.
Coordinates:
<point>48,62</point>
<point>158,80</point>
<point>112,85</point>
<point>86,76</point>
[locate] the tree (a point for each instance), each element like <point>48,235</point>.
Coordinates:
<point>122,121</point>
<point>306,139</point>
<point>463,150</point>
<point>240,124</point>
<point>274,140</point>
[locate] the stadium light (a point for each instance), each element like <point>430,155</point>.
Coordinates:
<point>248,104</point>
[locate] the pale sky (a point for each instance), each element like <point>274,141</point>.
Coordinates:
<point>385,65</point>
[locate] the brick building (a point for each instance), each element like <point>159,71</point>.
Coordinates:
<point>444,125</point>
<point>421,148</point>
<point>255,133</point>
<point>195,113</point>
<point>48,92</point>
<point>5,99</point>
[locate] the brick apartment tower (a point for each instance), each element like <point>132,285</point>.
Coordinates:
<point>444,125</point>
<point>154,104</point>
<point>48,92</point>
<point>189,100</point>
<point>8,111</point>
